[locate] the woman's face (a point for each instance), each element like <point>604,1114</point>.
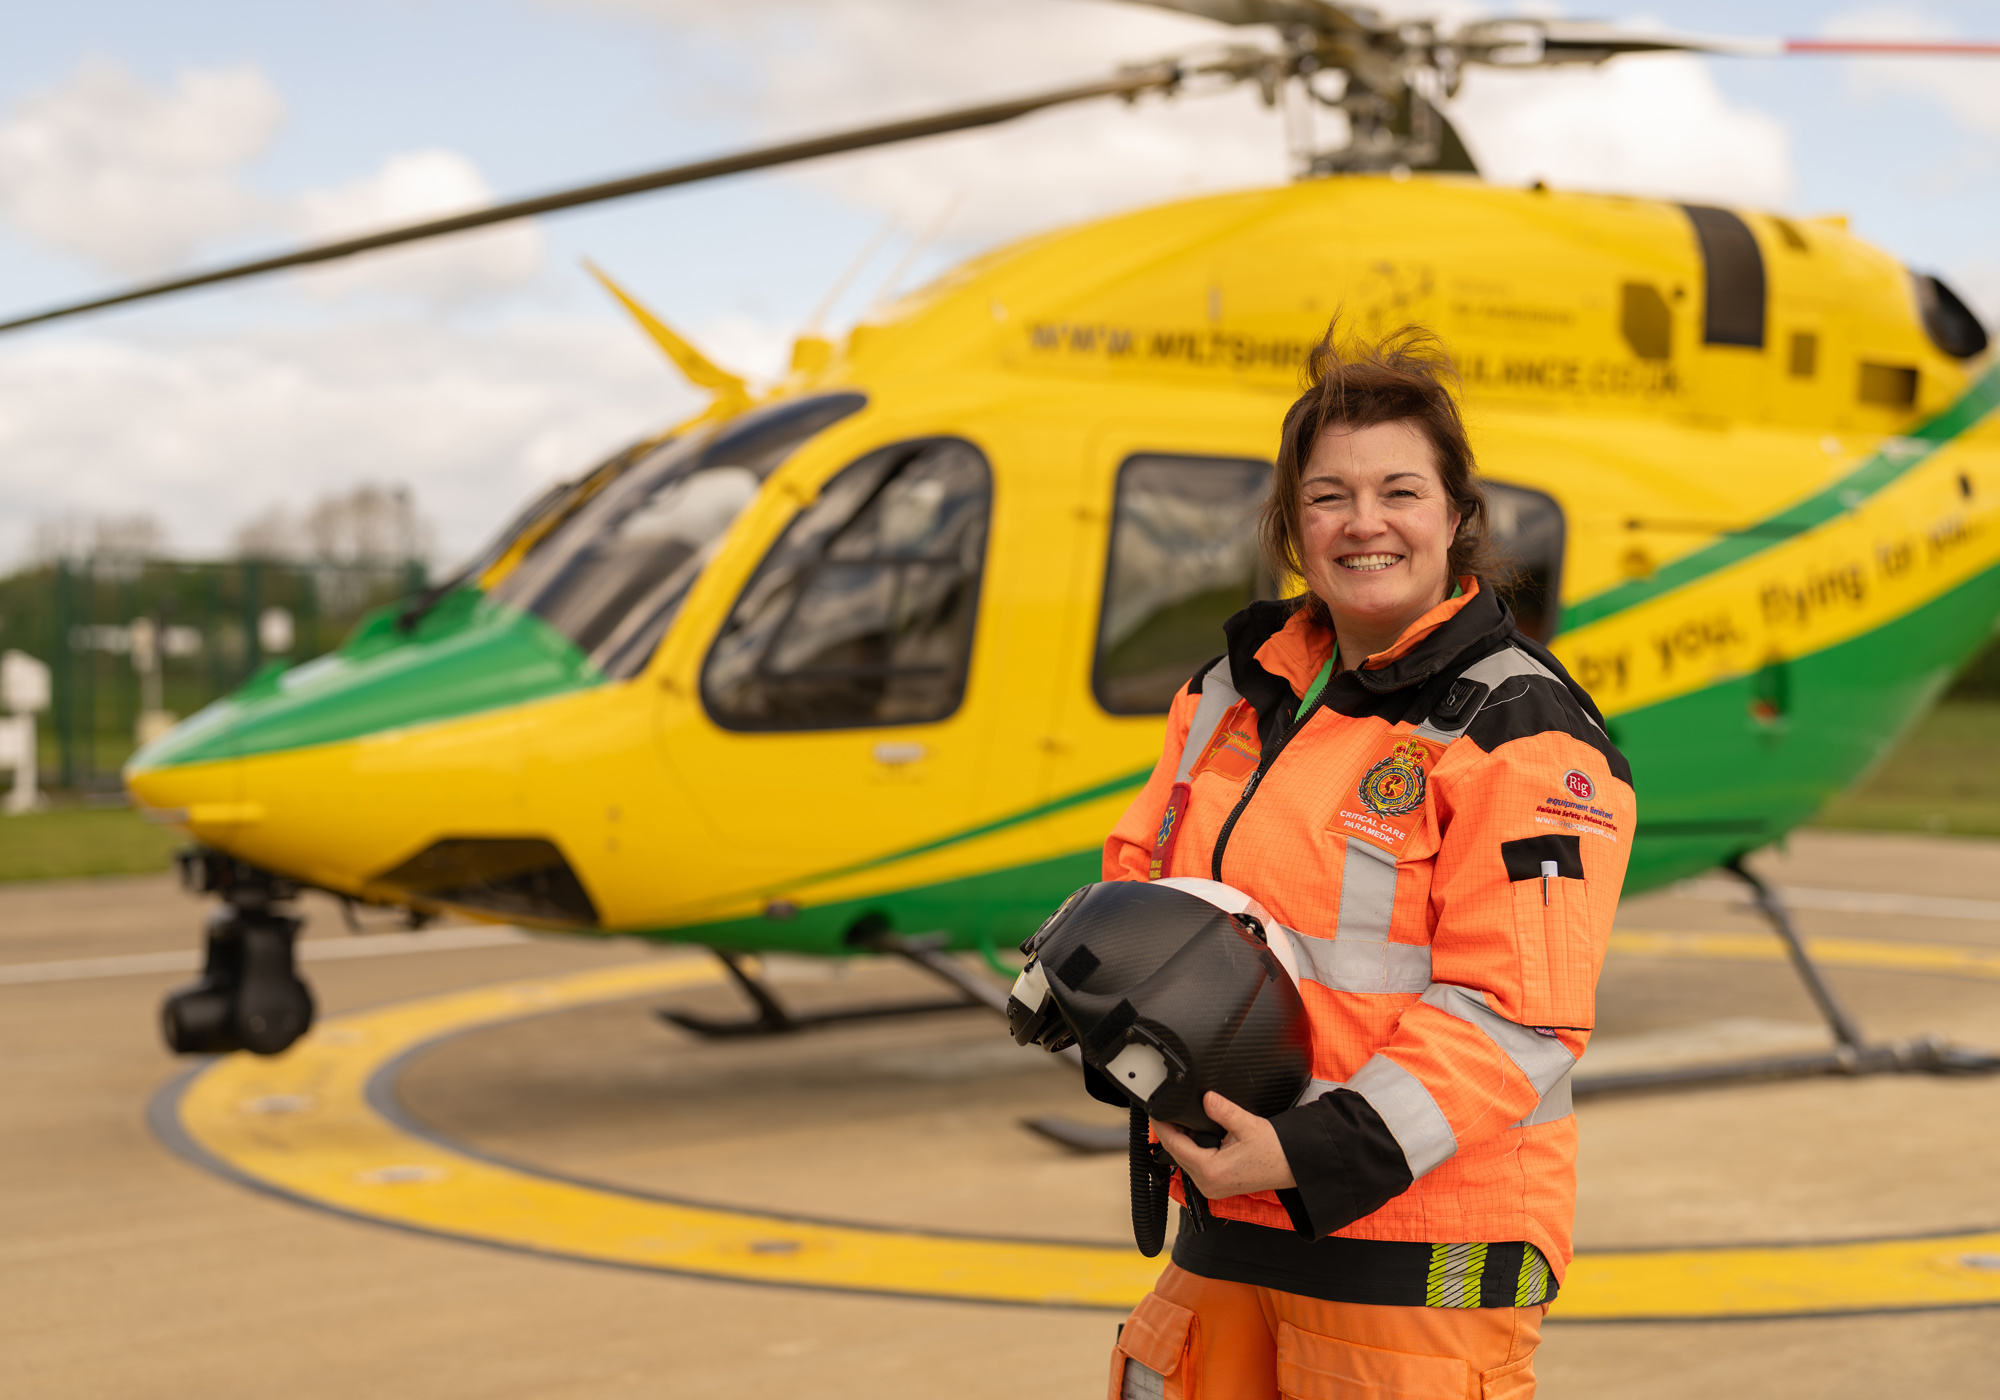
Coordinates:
<point>1376,527</point>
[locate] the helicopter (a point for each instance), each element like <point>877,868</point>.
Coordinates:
<point>871,661</point>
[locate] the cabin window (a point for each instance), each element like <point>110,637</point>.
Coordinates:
<point>1183,560</point>
<point>1526,531</point>
<point>1734,267</point>
<point>862,613</point>
<point>1888,386</point>
<point>612,577</point>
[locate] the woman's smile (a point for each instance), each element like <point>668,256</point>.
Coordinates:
<point>1368,563</point>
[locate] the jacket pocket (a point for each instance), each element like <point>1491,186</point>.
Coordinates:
<point>1150,1361</point>
<point>1313,1367</point>
<point>1553,941</point>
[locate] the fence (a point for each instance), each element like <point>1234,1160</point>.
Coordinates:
<point>134,644</point>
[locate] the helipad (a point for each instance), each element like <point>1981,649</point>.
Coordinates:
<point>323,1125</point>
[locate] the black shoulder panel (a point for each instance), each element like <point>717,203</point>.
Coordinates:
<point>1523,706</point>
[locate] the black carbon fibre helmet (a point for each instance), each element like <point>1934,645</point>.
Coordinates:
<point>1169,990</point>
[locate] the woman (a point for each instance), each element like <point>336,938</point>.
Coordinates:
<point>1428,798</point>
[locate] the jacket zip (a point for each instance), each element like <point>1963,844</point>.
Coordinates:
<point>1250,788</point>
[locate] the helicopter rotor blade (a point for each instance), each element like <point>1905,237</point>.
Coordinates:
<point>1129,83</point>
<point>1533,43</point>
<point>1905,48</point>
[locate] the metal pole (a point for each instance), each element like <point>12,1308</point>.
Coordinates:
<point>65,675</point>
<point>306,580</point>
<point>253,651</point>
<point>87,678</point>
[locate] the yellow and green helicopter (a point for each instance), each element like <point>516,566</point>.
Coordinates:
<point>885,651</point>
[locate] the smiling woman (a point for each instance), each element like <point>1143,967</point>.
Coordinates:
<point>1380,763</point>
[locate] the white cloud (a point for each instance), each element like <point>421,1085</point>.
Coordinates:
<point>208,433</point>
<point>140,180</point>
<point>1648,125</point>
<point>407,189</point>
<point>133,178</point>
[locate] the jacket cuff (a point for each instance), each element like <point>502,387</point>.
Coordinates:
<point>1343,1157</point>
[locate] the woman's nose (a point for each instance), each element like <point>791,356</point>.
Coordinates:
<point>1364,521</point>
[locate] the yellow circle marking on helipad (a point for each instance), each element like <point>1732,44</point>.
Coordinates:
<point>300,1124</point>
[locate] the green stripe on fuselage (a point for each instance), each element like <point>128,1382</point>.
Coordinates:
<point>470,654</point>
<point>1895,458</point>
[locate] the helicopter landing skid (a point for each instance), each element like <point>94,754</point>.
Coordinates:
<point>1852,1052</point>
<point>775,1018</point>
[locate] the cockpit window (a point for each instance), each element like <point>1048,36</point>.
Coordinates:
<point>612,577</point>
<point>862,613</point>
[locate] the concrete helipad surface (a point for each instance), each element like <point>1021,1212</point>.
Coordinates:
<point>129,1271</point>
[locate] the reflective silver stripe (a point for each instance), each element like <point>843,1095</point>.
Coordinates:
<point>1218,693</point>
<point>1357,965</point>
<point>1417,1123</point>
<point>1317,1089</point>
<point>1555,1104</point>
<point>1367,892</point>
<point>1542,1058</point>
<point>1141,1382</point>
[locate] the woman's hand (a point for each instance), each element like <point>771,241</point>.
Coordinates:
<point>1250,1158</point>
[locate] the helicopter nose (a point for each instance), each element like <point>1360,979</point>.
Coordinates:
<point>188,793</point>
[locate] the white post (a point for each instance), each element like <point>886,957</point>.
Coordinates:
<point>24,689</point>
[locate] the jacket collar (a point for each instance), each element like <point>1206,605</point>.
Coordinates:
<point>1299,648</point>
<point>1275,649</point>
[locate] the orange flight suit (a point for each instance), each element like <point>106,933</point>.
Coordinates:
<point>1442,833</point>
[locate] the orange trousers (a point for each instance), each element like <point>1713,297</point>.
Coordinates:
<point>1196,1338</point>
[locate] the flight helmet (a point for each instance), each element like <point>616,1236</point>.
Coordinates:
<point>1169,989</point>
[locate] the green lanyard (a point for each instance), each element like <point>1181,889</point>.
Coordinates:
<point>1319,684</point>
<point>1326,671</point>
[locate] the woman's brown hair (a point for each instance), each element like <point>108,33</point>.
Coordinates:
<point>1350,384</point>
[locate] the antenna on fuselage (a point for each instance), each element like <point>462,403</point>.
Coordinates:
<point>731,392</point>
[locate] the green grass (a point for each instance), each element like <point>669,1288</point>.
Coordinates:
<point>74,841</point>
<point>1945,778</point>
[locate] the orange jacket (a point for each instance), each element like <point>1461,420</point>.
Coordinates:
<point>1443,835</point>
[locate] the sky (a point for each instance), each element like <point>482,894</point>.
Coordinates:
<point>139,139</point>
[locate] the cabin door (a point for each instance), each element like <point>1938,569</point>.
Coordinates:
<point>838,742</point>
